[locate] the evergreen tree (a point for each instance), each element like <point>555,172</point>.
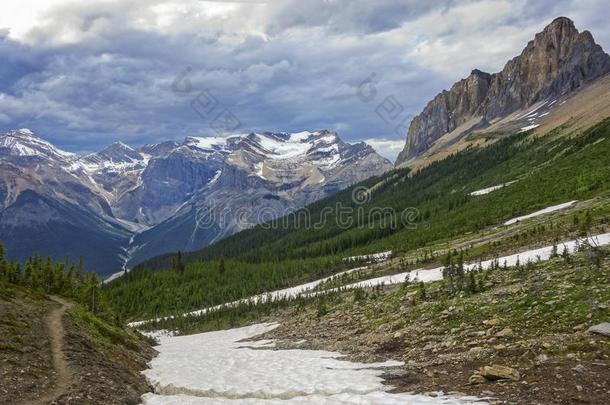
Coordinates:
<point>3,265</point>
<point>422,291</point>
<point>221,266</point>
<point>178,264</point>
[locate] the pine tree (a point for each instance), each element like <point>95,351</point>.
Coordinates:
<point>221,266</point>
<point>3,264</point>
<point>472,282</point>
<point>178,265</point>
<point>422,291</point>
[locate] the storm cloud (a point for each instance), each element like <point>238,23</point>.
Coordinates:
<point>84,74</point>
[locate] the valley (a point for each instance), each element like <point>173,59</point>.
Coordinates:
<point>252,267</point>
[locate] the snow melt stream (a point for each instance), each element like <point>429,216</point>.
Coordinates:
<point>220,368</point>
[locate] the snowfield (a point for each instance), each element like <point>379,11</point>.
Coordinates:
<point>541,212</point>
<point>220,368</point>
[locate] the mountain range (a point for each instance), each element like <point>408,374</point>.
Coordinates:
<point>122,205</point>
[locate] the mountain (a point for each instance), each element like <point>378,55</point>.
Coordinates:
<point>557,63</point>
<point>122,205</point>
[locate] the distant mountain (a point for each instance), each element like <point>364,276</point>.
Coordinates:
<point>558,62</point>
<point>120,205</point>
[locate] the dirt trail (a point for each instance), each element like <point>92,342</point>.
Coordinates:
<point>57,334</point>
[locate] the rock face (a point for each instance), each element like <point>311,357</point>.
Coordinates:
<point>557,62</point>
<point>121,205</point>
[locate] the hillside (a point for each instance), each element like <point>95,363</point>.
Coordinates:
<point>55,350</point>
<point>438,204</point>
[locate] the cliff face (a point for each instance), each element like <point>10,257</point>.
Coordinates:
<point>557,62</point>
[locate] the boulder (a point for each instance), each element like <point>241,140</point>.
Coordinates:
<point>497,372</point>
<point>601,329</point>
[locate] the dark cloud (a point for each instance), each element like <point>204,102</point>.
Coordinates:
<point>93,72</point>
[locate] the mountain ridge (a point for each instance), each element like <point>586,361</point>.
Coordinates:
<point>557,62</point>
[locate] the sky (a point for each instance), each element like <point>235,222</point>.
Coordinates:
<point>84,74</point>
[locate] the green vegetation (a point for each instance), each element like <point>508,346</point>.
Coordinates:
<point>204,284</point>
<point>104,334</point>
<point>43,275</point>
<point>548,170</point>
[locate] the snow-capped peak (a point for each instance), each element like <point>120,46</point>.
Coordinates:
<point>25,131</point>
<point>23,142</point>
<point>212,143</point>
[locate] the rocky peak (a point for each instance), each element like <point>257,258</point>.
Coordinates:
<point>24,142</point>
<point>118,152</point>
<point>159,149</point>
<point>558,61</point>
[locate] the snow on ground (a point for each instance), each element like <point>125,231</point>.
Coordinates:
<point>488,190</point>
<point>159,334</point>
<point>541,212</point>
<point>290,292</point>
<point>375,257</point>
<point>527,128</point>
<point>534,255</point>
<point>283,149</point>
<point>219,368</point>
<point>114,276</point>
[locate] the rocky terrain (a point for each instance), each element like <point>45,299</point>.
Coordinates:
<point>527,335</point>
<point>120,206</point>
<point>559,61</point>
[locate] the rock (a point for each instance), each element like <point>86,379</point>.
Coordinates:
<point>601,329</point>
<point>476,379</point>
<point>497,372</point>
<point>541,359</point>
<point>579,368</point>
<point>504,332</point>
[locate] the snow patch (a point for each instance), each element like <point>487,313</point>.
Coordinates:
<point>488,190</point>
<point>541,212</point>
<point>436,274</point>
<point>290,292</point>
<point>219,368</point>
<point>527,128</point>
<point>375,257</point>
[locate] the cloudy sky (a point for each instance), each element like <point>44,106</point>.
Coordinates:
<point>86,73</point>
